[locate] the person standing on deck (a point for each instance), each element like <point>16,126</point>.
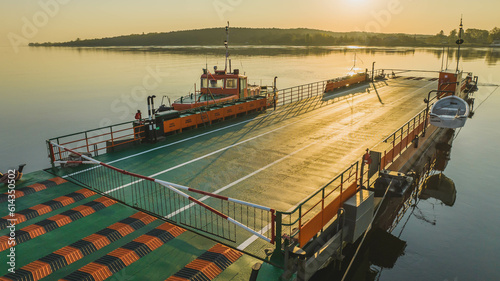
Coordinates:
<point>138,116</point>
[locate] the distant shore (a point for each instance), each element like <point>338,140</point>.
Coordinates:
<point>282,37</point>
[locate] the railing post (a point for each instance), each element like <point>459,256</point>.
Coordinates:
<point>112,139</point>
<point>322,207</point>
<point>393,146</point>
<point>60,152</point>
<point>361,174</point>
<point>273,226</point>
<point>341,184</point>
<point>401,140</point>
<point>357,171</point>
<point>300,222</point>
<point>51,153</point>
<point>87,142</point>
<point>279,229</point>
<point>382,166</point>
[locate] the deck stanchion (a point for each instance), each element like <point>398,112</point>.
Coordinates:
<point>87,142</point>
<point>51,154</point>
<point>273,226</point>
<point>279,229</point>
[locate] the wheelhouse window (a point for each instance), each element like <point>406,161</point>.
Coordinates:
<point>243,83</point>
<point>231,83</point>
<point>212,83</point>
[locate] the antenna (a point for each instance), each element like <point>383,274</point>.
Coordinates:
<point>226,44</point>
<point>442,59</point>
<point>353,68</point>
<point>447,56</point>
<point>459,42</point>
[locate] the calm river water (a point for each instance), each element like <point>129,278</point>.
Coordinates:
<point>48,92</point>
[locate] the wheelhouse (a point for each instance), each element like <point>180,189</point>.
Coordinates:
<point>223,83</point>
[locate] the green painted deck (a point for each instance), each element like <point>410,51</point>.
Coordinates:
<point>159,264</point>
<point>276,159</point>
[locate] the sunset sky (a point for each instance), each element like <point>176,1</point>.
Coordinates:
<point>65,20</point>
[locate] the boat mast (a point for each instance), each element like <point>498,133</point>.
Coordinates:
<point>354,66</point>
<point>442,59</point>
<point>226,44</point>
<point>459,42</point>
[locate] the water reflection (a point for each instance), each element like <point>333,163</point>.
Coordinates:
<point>439,187</point>
<point>491,55</point>
<point>384,245</point>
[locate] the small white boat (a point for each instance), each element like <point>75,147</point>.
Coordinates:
<point>449,112</point>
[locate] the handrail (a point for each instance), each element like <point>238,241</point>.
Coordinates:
<point>137,178</point>
<point>96,129</point>
<point>320,189</point>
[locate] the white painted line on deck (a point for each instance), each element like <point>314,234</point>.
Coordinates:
<point>198,136</point>
<point>207,155</point>
<point>217,151</point>
<point>213,131</point>
<point>252,238</point>
<point>245,177</point>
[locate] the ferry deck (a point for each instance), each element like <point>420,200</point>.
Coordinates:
<point>275,158</point>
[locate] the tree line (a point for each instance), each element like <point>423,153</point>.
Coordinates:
<point>286,37</point>
<point>472,36</point>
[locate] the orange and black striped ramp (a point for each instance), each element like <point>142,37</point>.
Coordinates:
<point>46,207</point>
<point>65,256</point>
<point>207,266</point>
<point>124,256</point>
<point>47,225</point>
<point>30,189</point>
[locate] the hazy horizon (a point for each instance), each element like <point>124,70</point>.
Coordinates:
<point>26,21</point>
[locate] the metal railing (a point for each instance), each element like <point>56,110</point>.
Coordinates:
<point>96,141</point>
<point>298,93</point>
<point>101,140</point>
<point>403,137</point>
<point>301,92</point>
<point>313,214</point>
<point>214,214</point>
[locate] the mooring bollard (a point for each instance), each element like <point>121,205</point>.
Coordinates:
<point>255,271</point>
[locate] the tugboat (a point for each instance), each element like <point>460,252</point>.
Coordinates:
<point>223,94</point>
<point>219,87</point>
